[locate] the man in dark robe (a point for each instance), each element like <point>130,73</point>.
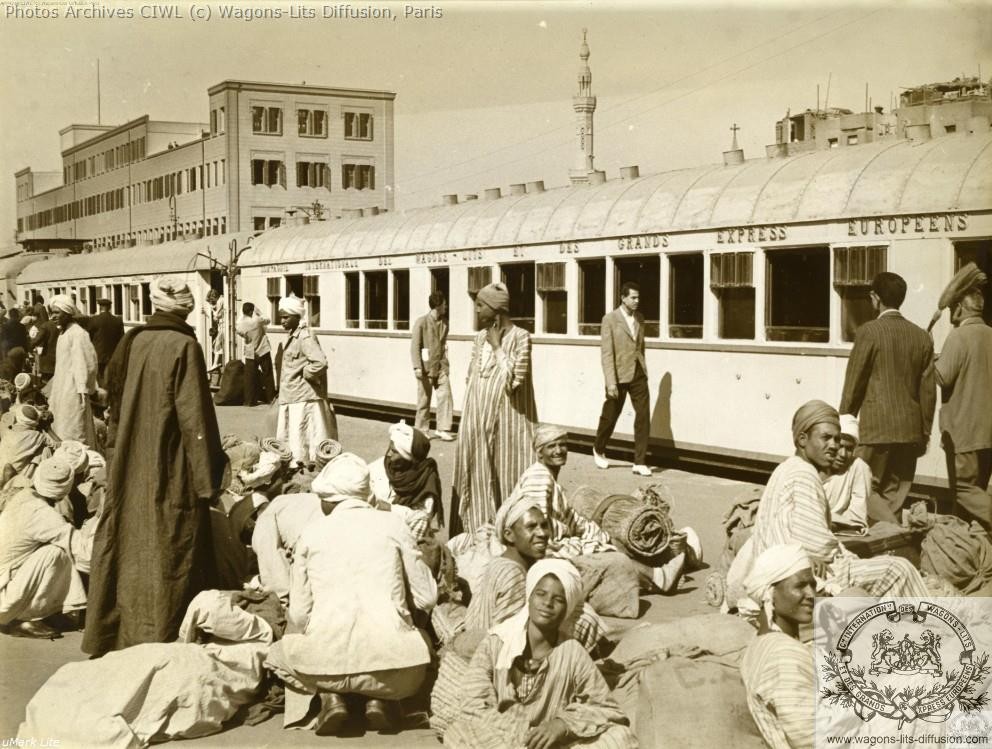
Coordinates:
<point>152,552</point>
<point>106,331</point>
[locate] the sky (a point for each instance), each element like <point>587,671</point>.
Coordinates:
<point>484,89</point>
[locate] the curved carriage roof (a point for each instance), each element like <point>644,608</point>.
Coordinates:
<point>950,173</point>
<point>169,257</point>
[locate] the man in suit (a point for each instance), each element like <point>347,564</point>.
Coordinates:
<point>429,355</point>
<point>106,331</point>
<point>890,381</point>
<point>625,371</point>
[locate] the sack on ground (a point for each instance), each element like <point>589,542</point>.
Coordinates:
<point>719,634</point>
<point>612,583</point>
<point>232,379</point>
<point>959,553</point>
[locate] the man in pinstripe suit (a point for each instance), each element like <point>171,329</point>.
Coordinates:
<point>890,381</point>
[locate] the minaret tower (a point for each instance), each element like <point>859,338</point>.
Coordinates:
<point>584,104</point>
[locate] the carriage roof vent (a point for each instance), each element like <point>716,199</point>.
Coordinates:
<point>597,177</point>
<point>535,186</point>
<point>449,199</point>
<point>518,189</point>
<point>471,196</point>
<point>492,193</point>
<point>630,172</point>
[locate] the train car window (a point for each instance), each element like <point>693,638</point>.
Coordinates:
<point>592,295</point>
<point>478,277</point>
<point>311,294</point>
<point>119,299</point>
<point>978,252</point>
<point>94,295</point>
<point>294,286</point>
<point>259,223</point>
<point>732,282</point>
<point>376,300</point>
<point>519,279</point>
<point>685,296</point>
<point>440,281</point>
<point>134,297</point>
<point>797,292</point>
<point>552,290</point>
<point>854,268</point>
<point>646,273</point>
<point>401,299</point>
<point>273,290</point>
<point>274,221</point>
<point>351,306</point>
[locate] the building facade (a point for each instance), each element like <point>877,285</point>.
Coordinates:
<point>267,150</point>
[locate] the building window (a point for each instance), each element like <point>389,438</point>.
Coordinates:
<point>351,307</point>
<point>213,122</point>
<point>266,120</point>
<point>852,140</point>
<point>832,142</point>
<point>358,176</point>
<point>551,287</point>
<point>440,281</point>
<point>592,295</point>
<point>646,273</point>
<point>376,300</point>
<point>797,290</point>
<point>732,280</point>
<point>854,269</point>
<point>312,122</point>
<point>357,126</point>
<point>312,174</point>
<point>519,279</point>
<point>259,223</point>
<point>267,172</point>
<point>685,293</point>
<point>401,299</point>
<point>273,290</point>
<point>311,294</point>
<point>978,252</point>
<point>948,129</point>
<point>146,300</point>
<point>118,297</point>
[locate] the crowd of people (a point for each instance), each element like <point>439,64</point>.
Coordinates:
<point>320,580</point>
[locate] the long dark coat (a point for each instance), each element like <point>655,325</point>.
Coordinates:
<point>152,551</point>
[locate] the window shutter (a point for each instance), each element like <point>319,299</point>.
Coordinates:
<point>479,277</point>
<point>272,287</point>
<point>551,277</point>
<point>310,286</point>
<point>327,177</point>
<point>729,270</point>
<point>371,184</point>
<point>857,266</point>
<point>282,173</point>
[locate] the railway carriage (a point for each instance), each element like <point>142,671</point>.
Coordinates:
<point>754,278</point>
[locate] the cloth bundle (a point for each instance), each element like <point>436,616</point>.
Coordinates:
<point>279,447</point>
<point>327,450</point>
<point>642,527</point>
<point>959,553</point>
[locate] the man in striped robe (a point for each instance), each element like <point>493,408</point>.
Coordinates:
<point>794,509</point>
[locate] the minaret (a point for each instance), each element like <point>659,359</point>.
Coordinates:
<point>584,104</point>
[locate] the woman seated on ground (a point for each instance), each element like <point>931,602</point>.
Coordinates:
<point>777,668</point>
<point>530,685</point>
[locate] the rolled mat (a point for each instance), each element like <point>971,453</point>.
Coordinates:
<point>327,450</point>
<point>642,528</point>
<point>279,447</point>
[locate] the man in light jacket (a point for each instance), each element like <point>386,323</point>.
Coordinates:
<point>429,355</point>
<point>357,582</point>
<point>258,355</point>
<point>625,371</point>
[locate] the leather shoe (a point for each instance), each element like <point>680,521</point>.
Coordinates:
<point>333,714</point>
<point>34,630</point>
<point>641,470</point>
<point>378,715</point>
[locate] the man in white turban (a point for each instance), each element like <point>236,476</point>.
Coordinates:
<point>153,550</point>
<point>355,572</point>
<point>39,555</point>
<point>305,417</point>
<point>75,376</point>
<point>849,484</point>
<point>777,668</point>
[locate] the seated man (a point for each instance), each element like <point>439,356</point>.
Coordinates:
<point>571,533</point>
<point>793,509</point>
<point>408,480</point>
<point>40,555</point>
<point>277,531</point>
<point>23,443</point>
<point>849,484</point>
<point>73,506</point>
<point>351,631</point>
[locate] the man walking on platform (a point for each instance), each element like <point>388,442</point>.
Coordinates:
<point>106,331</point>
<point>625,371</point>
<point>429,354</point>
<point>964,371</point>
<point>890,381</point>
<point>258,355</point>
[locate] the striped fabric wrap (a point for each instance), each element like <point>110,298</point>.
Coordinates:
<point>642,528</point>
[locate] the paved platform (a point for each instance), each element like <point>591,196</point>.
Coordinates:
<point>700,502</point>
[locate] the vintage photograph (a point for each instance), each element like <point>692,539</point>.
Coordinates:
<point>492,375</point>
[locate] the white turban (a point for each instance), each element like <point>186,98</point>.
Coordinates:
<point>170,295</point>
<point>26,415</point>
<point>345,477</point>
<point>53,478</point>
<point>514,508</point>
<point>22,381</point>
<point>513,631</point>
<point>849,426</point>
<point>75,454</point>
<point>64,303</point>
<point>773,565</point>
<point>291,305</point>
<point>401,435</point>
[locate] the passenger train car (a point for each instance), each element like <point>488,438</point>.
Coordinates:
<point>754,278</point>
